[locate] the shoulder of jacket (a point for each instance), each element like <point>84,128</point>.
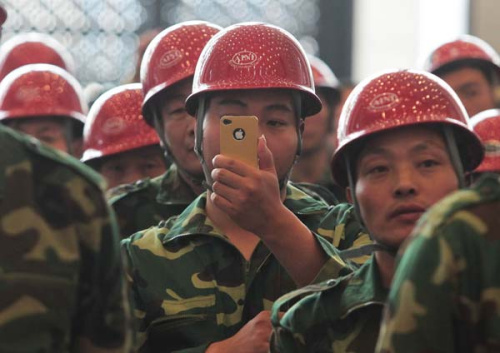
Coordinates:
<point>37,148</point>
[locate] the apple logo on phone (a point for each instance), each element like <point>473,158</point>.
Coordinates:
<point>239,134</point>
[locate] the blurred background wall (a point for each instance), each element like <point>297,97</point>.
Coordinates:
<point>356,37</point>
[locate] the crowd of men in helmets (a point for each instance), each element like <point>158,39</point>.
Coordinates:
<point>368,230</point>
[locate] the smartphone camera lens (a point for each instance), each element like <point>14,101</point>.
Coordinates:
<point>226,122</point>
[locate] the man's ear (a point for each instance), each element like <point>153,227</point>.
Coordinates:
<point>348,195</point>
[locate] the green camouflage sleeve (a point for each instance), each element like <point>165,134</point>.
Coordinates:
<point>445,295</point>
<point>341,229</point>
<point>136,207</point>
<point>61,275</point>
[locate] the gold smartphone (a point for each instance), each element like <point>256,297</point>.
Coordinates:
<point>238,138</point>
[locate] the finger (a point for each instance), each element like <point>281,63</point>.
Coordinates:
<point>234,165</point>
<point>227,177</point>
<point>266,159</point>
<point>222,203</point>
<point>227,192</point>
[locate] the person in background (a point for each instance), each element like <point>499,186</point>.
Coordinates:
<point>471,67</point>
<point>404,143</point>
<point>487,126</point>
<point>46,102</point>
<point>167,72</point>
<point>34,48</point>
<point>204,281</point>
<point>63,287</point>
<point>312,166</point>
<point>144,39</point>
<point>117,142</point>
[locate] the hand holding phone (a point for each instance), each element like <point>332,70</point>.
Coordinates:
<point>238,138</point>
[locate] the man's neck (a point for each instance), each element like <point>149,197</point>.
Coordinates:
<point>196,187</point>
<point>311,166</point>
<point>386,267</point>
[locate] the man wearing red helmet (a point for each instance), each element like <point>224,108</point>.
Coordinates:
<point>487,126</point>
<point>33,48</point>
<point>117,141</point>
<point>205,280</point>
<point>471,67</point>
<point>311,167</point>
<point>46,102</point>
<point>404,143</point>
<point>167,72</point>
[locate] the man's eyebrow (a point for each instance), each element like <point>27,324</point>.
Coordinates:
<point>232,101</point>
<point>376,151</point>
<point>279,107</point>
<point>467,85</point>
<point>425,145</point>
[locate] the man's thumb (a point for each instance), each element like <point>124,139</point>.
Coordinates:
<point>266,159</point>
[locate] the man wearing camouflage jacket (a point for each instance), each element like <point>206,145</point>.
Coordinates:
<point>61,281</point>
<point>394,157</point>
<point>166,75</point>
<point>205,280</point>
<point>446,291</point>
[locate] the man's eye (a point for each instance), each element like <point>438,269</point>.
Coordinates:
<point>428,163</point>
<point>276,123</point>
<point>377,170</point>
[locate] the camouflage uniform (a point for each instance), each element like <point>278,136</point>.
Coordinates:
<point>61,278</point>
<point>144,204</point>
<point>341,315</point>
<point>192,286</point>
<point>445,296</point>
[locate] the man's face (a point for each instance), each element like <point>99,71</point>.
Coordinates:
<point>275,111</point>
<point>316,132</point>
<point>130,166</point>
<point>179,128</point>
<point>50,131</point>
<point>401,173</point>
<point>473,88</point>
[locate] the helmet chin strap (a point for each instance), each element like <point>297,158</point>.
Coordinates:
<point>68,135</point>
<point>198,142</point>
<point>456,161</point>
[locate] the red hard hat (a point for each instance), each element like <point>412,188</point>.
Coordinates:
<point>487,126</point>
<point>33,48</point>
<point>171,57</point>
<point>402,98</point>
<point>464,49</point>
<point>40,90</point>
<point>324,78</point>
<point>254,56</point>
<point>115,124</point>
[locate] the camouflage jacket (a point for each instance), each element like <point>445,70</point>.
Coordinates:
<point>145,203</point>
<point>192,287</point>
<point>341,315</point>
<point>445,295</point>
<point>61,276</point>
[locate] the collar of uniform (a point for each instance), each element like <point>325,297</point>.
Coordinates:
<point>301,203</point>
<point>194,220</point>
<point>172,188</point>
<point>363,288</point>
